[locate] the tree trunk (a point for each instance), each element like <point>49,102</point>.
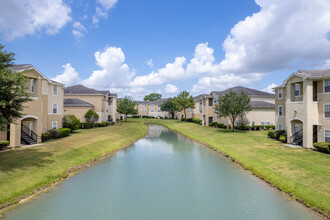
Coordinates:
<point>126,117</point>
<point>233,128</point>
<point>185,115</point>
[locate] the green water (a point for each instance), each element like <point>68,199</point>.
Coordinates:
<point>162,176</point>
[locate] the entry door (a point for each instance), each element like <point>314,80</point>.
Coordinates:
<point>296,131</point>
<point>31,129</point>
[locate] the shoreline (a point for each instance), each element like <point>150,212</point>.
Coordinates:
<point>239,164</point>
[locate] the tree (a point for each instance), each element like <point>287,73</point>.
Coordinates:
<point>91,116</point>
<point>13,92</point>
<point>152,97</point>
<point>171,106</point>
<point>126,106</point>
<point>185,101</point>
<point>72,122</point>
<point>233,105</point>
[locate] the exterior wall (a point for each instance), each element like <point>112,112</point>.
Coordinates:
<point>150,110</point>
<point>112,108</point>
<point>260,115</point>
<point>280,102</point>
<point>79,112</point>
<point>3,136</point>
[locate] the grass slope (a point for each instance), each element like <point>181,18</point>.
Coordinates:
<point>24,170</point>
<point>302,173</point>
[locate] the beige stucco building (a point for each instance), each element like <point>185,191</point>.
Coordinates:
<point>262,103</point>
<point>42,113</point>
<point>78,99</point>
<point>151,109</point>
<point>303,107</point>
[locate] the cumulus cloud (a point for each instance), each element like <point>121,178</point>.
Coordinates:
<point>102,12</point>
<point>69,76</point>
<point>171,89</point>
<point>107,4</point>
<point>77,25</point>
<point>19,18</point>
<point>269,88</point>
<point>150,63</point>
<point>78,29</point>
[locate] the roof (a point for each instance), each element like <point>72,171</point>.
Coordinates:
<point>80,89</point>
<point>248,91</point>
<point>157,102</point>
<point>314,73</point>
<point>261,104</point>
<point>76,102</point>
<point>198,98</point>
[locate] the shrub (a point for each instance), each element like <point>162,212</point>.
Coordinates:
<point>183,119</point>
<point>112,123</point>
<point>268,127</point>
<point>200,122</point>
<point>64,132</point>
<point>106,124</point>
<point>220,125</point>
<point>55,133</point>
<point>278,134</point>
<point>3,144</point>
<point>189,120</point>
<point>283,138</point>
<point>244,127</point>
<point>45,136</point>
<point>322,147</point>
<point>85,125</point>
<point>271,134</point>
<point>72,122</point>
<point>196,120</point>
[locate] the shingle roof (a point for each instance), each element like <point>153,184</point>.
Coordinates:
<point>159,101</point>
<point>20,67</point>
<point>261,104</point>
<point>314,73</point>
<point>80,89</point>
<point>76,102</point>
<point>248,91</point>
<point>198,98</point>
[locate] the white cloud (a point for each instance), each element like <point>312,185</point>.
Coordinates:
<point>69,76</point>
<point>78,29</point>
<point>269,88</point>
<point>325,65</point>
<point>77,25</point>
<point>150,63</point>
<point>19,18</point>
<point>171,89</point>
<point>102,12</point>
<point>107,4</point>
<point>77,34</point>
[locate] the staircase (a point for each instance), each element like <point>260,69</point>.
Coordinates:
<point>297,138</point>
<point>28,136</point>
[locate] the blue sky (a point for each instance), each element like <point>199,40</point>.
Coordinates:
<point>166,46</point>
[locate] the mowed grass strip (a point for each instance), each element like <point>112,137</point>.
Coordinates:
<point>303,173</point>
<point>24,170</point>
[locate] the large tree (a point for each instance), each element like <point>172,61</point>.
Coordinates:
<point>126,106</point>
<point>171,106</point>
<point>13,92</point>
<point>233,105</point>
<point>185,101</point>
<point>152,97</point>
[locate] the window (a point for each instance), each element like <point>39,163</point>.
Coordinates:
<point>32,85</point>
<point>54,89</point>
<point>158,106</point>
<point>210,102</point>
<point>145,110</point>
<point>152,105</point>
<point>326,135</point>
<point>297,90</point>
<point>140,110</point>
<point>280,110</point>
<point>215,100</point>
<point>280,127</point>
<point>152,110</point>
<point>280,93</point>
<point>145,105</point>
<point>327,110</point>
<point>158,110</point>
<point>253,123</point>
<point>54,108</point>
<point>54,125</point>
<point>327,85</point>
<point>140,105</point>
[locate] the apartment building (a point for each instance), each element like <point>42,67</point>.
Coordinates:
<point>303,107</point>
<point>42,113</point>
<point>78,99</point>
<point>262,103</point>
<point>151,108</point>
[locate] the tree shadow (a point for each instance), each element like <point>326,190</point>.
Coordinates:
<point>24,159</point>
<point>229,131</point>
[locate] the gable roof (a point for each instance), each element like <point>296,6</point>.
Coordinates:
<point>198,98</point>
<point>76,102</point>
<point>159,101</point>
<point>80,89</point>
<point>248,91</point>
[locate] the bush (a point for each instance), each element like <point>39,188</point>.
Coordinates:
<point>268,127</point>
<point>55,133</point>
<point>283,138</point>
<point>278,134</point>
<point>85,125</point>
<point>244,127</point>
<point>200,122</point>
<point>3,144</point>
<point>72,122</point>
<point>196,120</point>
<point>220,125</point>
<point>64,132</point>
<point>213,124</point>
<point>189,120</point>
<point>45,136</point>
<point>271,134</point>
<point>183,119</point>
<point>112,123</point>
<point>322,147</point>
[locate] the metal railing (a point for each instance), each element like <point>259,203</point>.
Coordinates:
<point>296,138</point>
<point>29,132</point>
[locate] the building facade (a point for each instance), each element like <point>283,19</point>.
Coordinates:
<point>303,107</point>
<point>42,113</point>
<point>151,109</point>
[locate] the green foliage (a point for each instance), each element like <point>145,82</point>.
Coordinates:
<point>45,136</point>
<point>126,106</point>
<point>3,144</point>
<point>271,134</point>
<point>233,105</point>
<point>72,122</point>
<point>268,127</point>
<point>171,106</point>
<point>322,147</point>
<point>91,116</point>
<point>185,101</point>
<point>283,138</point>
<point>12,90</point>
<point>85,125</point>
<point>55,133</point>
<point>220,125</point>
<point>278,133</point>
<point>213,124</point>
<point>64,132</point>
<point>152,97</point>
<point>103,124</point>
<point>197,120</point>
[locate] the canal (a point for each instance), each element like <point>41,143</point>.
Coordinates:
<point>162,176</point>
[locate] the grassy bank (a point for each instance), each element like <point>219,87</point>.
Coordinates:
<point>302,173</point>
<point>24,170</point>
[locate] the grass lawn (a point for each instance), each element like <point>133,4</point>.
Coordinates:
<point>303,173</point>
<point>24,170</point>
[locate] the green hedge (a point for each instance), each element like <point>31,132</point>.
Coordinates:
<point>45,136</point>
<point>283,138</point>
<point>3,144</point>
<point>271,134</point>
<point>64,132</point>
<point>55,133</point>
<point>322,147</point>
<point>279,133</point>
<point>197,120</point>
<point>85,125</point>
